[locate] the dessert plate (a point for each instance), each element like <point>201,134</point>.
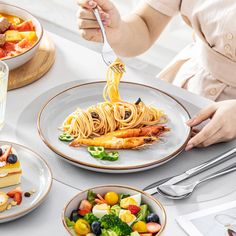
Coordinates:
<point>59,107</point>
<point>36,175</point>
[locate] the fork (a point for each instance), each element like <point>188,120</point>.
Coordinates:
<point>108,54</point>
<point>183,191</point>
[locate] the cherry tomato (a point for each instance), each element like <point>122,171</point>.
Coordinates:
<point>24,26</point>
<point>24,43</point>
<point>153,227</point>
<point>111,198</point>
<point>2,53</point>
<point>126,202</point>
<point>83,212</point>
<point>140,227</point>
<point>9,47</point>
<point>82,227</point>
<point>134,209</point>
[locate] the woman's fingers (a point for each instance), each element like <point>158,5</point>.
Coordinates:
<point>87,3</point>
<point>83,13</point>
<point>194,132</point>
<point>216,138</point>
<point>207,132</point>
<point>87,24</point>
<point>105,5</point>
<point>203,115</point>
<point>87,20</point>
<point>90,24</point>
<point>86,14</point>
<point>94,35</point>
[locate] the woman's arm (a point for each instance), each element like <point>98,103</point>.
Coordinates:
<point>129,36</point>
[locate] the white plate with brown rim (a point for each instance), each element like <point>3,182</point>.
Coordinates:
<point>60,106</point>
<point>36,175</point>
<point>154,205</point>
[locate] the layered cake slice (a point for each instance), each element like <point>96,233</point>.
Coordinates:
<point>10,169</point>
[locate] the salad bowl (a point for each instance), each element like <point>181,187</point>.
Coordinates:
<point>153,207</point>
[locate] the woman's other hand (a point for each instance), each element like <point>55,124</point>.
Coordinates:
<point>87,23</point>
<point>221,127</point>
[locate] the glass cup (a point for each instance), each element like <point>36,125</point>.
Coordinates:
<point>4,73</point>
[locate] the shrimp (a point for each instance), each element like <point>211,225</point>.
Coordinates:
<point>116,143</point>
<point>154,130</point>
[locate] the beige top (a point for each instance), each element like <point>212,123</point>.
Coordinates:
<point>207,66</point>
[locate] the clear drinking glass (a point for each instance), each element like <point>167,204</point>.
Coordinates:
<point>4,73</point>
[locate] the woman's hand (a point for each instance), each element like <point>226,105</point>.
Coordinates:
<point>88,26</point>
<point>221,128</point>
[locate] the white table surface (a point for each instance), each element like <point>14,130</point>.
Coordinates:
<point>76,64</point>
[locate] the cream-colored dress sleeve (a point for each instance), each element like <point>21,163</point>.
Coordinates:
<point>206,67</point>
<point>167,7</point>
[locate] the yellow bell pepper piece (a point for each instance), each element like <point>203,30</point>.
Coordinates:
<point>13,19</point>
<point>12,36</point>
<point>30,35</point>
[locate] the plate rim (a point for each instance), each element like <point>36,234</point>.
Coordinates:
<point>164,213</point>
<point>42,198</point>
<point>157,162</point>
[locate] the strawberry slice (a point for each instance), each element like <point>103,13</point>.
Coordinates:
<point>6,154</point>
<point>12,193</point>
<point>16,194</point>
<point>134,209</point>
<point>85,205</point>
<point>18,198</point>
<point>153,227</point>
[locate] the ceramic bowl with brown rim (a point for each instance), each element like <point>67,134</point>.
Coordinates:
<point>20,59</point>
<point>154,205</point>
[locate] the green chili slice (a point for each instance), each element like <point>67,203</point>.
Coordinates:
<point>97,152</point>
<point>66,137</point>
<point>111,156</point>
<point>100,153</point>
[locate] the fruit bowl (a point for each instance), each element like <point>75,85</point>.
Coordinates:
<point>154,206</point>
<point>20,59</point>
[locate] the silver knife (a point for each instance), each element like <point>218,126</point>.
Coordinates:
<point>195,170</point>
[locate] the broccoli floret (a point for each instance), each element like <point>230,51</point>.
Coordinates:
<point>115,210</point>
<point>115,224</point>
<point>108,232</point>
<point>90,218</point>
